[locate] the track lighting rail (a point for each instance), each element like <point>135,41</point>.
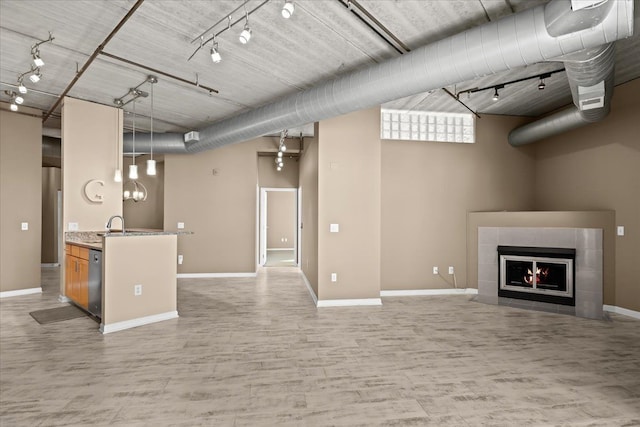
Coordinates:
<point>495,87</point>
<point>230,25</point>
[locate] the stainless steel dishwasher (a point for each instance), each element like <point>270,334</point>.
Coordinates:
<point>95,283</point>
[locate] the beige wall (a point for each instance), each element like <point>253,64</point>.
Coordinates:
<point>349,195</point>
<point>427,190</point>
<point>146,260</point>
<point>20,199</point>
<point>91,141</point>
<point>150,213</point>
<point>281,219</point>
<point>269,177</point>
<point>220,208</point>
<point>51,184</point>
<point>594,219</point>
<point>91,145</point>
<point>597,167</point>
<point>309,200</point>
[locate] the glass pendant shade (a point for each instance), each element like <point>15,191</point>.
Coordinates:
<point>117,176</point>
<point>151,167</point>
<point>133,172</point>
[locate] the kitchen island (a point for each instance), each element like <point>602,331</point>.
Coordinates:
<point>139,276</point>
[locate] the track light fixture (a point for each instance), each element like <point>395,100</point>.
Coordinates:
<point>245,35</point>
<point>14,100</point>
<point>19,100</point>
<point>287,9</point>
<point>35,52</point>
<point>37,61</point>
<point>35,77</point>
<point>541,84</point>
<point>21,87</point>
<point>496,95</point>
<point>215,53</point>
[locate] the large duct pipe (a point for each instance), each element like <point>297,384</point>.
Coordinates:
<point>591,79</point>
<point>511,42</point>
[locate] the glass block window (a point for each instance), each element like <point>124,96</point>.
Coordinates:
<point>427,126</point>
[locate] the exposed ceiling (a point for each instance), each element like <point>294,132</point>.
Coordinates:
<point>322,40</point>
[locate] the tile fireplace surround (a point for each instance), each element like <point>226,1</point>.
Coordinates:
<point>588,264</point>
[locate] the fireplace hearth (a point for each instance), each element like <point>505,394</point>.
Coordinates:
<point>537,274</point>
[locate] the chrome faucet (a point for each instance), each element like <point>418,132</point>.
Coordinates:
<point>111,219</point>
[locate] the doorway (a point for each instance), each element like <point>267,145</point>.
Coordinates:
<point>278,246</point>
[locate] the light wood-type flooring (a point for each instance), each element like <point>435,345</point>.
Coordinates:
<point>257,352</point>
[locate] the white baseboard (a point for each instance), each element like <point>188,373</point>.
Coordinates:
<point>623,311</point>
<point>133,323</point>
<point>213,275</point>
<point>420,292</point>
<point>314,297</point>
<point>348,302</point>
<point>20,292</point>
<point>280,249</point>
<point>49,265</point>
<point>62,298</point>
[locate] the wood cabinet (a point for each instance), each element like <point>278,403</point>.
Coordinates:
<point>76,284</point>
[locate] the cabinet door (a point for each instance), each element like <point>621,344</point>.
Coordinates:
<point>70,268</point>
<point>82,295</point>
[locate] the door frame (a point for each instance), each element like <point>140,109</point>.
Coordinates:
<point>262,220</point>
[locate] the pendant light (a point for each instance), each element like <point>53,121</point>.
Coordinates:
<point>117,176</point>
<point>151,164</point>
<point>133,168</point>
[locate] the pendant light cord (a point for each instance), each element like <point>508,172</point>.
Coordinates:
<point>152,84</point>
<point>133,161</point>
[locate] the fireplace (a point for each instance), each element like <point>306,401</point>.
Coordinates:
<point>537,274</point>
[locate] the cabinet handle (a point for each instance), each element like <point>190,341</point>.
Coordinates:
<point>76,266</point>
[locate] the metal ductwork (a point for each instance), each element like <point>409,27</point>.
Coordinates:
<point>528,37</point>
<point>591,79</point>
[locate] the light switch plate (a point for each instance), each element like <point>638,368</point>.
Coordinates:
<point>180,225</point>
<point>334,228</point>
<point>334,277</point>
<point>435,270</point>
<point>24,226</point>
<point>620,230</point>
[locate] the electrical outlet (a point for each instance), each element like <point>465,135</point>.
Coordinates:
<point>435,270</point>
<point>180,225</point>
<point>334,277</point>
<point>620,230</point>
<point>24,226</point>
<point>73,226</point>
<point>180,259</point>
<point>450,269</point>
<point>137,290</point>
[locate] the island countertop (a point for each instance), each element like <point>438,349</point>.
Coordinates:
<point>93,239</point>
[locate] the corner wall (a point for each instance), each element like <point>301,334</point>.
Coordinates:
<point>427,190</point>
<point>309,198</point>
<point>596,167</point>
<point>20,199</point>
<point>349,195</point>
